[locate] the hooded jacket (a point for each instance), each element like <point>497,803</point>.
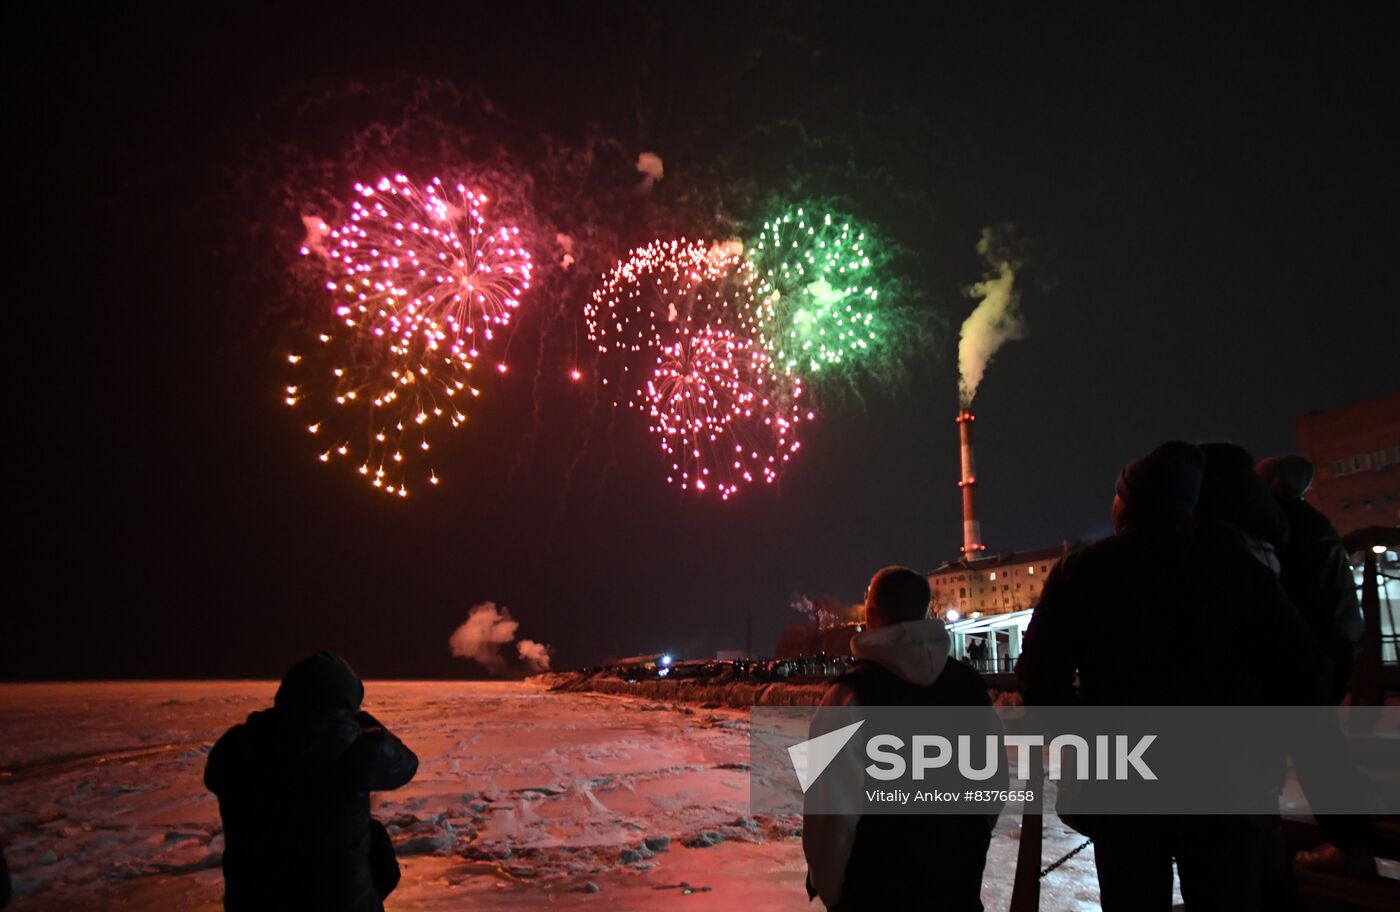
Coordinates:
<point>884,862</point>
<point>293,785</point>
<point>1232,492</point>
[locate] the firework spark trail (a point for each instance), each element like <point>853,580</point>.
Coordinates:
<point>609,463</point>
<point>536,427</point>
<point>421,284</point>
<point>586,425</point>
<point>724,415</point>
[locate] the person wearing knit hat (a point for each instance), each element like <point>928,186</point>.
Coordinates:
<point>1165,484</point>
<point>293,785</point>
<point>1231,492</point>
<point>1314,567</point>
<point>1120,623</point>
<point>1316,573</point>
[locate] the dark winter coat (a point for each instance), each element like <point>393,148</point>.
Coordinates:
<point>1317,576</point>
<point>925,860</point>
<point>1167,612</point>
<point>293,784</point>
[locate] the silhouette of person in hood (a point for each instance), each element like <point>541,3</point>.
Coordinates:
<point>293,784</point>
<point>876,861</point>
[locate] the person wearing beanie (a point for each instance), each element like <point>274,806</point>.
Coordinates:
<point>1119,624</point>
<point>1231,492</point>
<point>1314,568</point>
<point>293,785</point>
<point>1316,573</point>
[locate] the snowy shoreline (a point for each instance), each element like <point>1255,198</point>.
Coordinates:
<point>731,694</point>
<point>524,798</point>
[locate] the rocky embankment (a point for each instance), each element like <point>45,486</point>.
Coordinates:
<point>712,692</point>
<point>717,692</point>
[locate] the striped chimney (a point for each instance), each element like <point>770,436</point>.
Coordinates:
<point>972,527</point>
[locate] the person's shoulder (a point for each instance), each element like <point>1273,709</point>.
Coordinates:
<point>236,736</point>
<point>1080,561</point>
<point>227,757</point>
<point>1087,553</point>
<point>839,692</point>
<point>1219,536</point>
<point>963,680</point>
<point>1308,525</point>
<point>960,671</point>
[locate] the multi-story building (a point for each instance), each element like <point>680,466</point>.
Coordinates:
<point>996,584</point>
<point>987,601</point>
<point>1356,450</point>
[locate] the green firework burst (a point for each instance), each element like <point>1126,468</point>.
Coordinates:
<point>820,309</point>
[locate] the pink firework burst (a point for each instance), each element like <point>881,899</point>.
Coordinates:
<point>724,414</point>
<point>424,261</point>
<point>422,283</point>
<point>660,293</point>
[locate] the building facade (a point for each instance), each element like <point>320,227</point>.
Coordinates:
<point>1356,450</point>
<point>987,601</point>
<point>996,584</point>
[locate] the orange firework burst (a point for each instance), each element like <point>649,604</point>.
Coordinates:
<point>423,284</point>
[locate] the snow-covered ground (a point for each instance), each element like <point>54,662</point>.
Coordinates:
<point>523,799</point>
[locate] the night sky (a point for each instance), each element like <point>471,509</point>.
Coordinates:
<point>1209,201</point>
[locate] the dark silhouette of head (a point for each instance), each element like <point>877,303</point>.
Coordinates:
<point>1232,492</point>
<point>320,685</point>
<point>1286,477</point>
<point>1161,487</point>
<point>896,595</point>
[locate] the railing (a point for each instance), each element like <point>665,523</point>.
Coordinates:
<point>1368,681</point>
<point>1002,664</point>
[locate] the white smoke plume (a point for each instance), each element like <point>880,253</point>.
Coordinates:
<point>652,169</point>
<point>566,243</point>
<point>486,631</point>
<point>997,317</point>
<point>316,233</point>
<point>535,655</point>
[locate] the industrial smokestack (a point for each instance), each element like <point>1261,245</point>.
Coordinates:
<point>972,527</point>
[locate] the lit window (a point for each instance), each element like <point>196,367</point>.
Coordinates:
<point>994,576</point>
<point>1031,570</point>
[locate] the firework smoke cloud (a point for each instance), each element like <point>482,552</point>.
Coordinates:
<point>997,317</point>
<point>534,655</point>
<point>316,233</point>
<point>652,169</point>
<point>489,629</point>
